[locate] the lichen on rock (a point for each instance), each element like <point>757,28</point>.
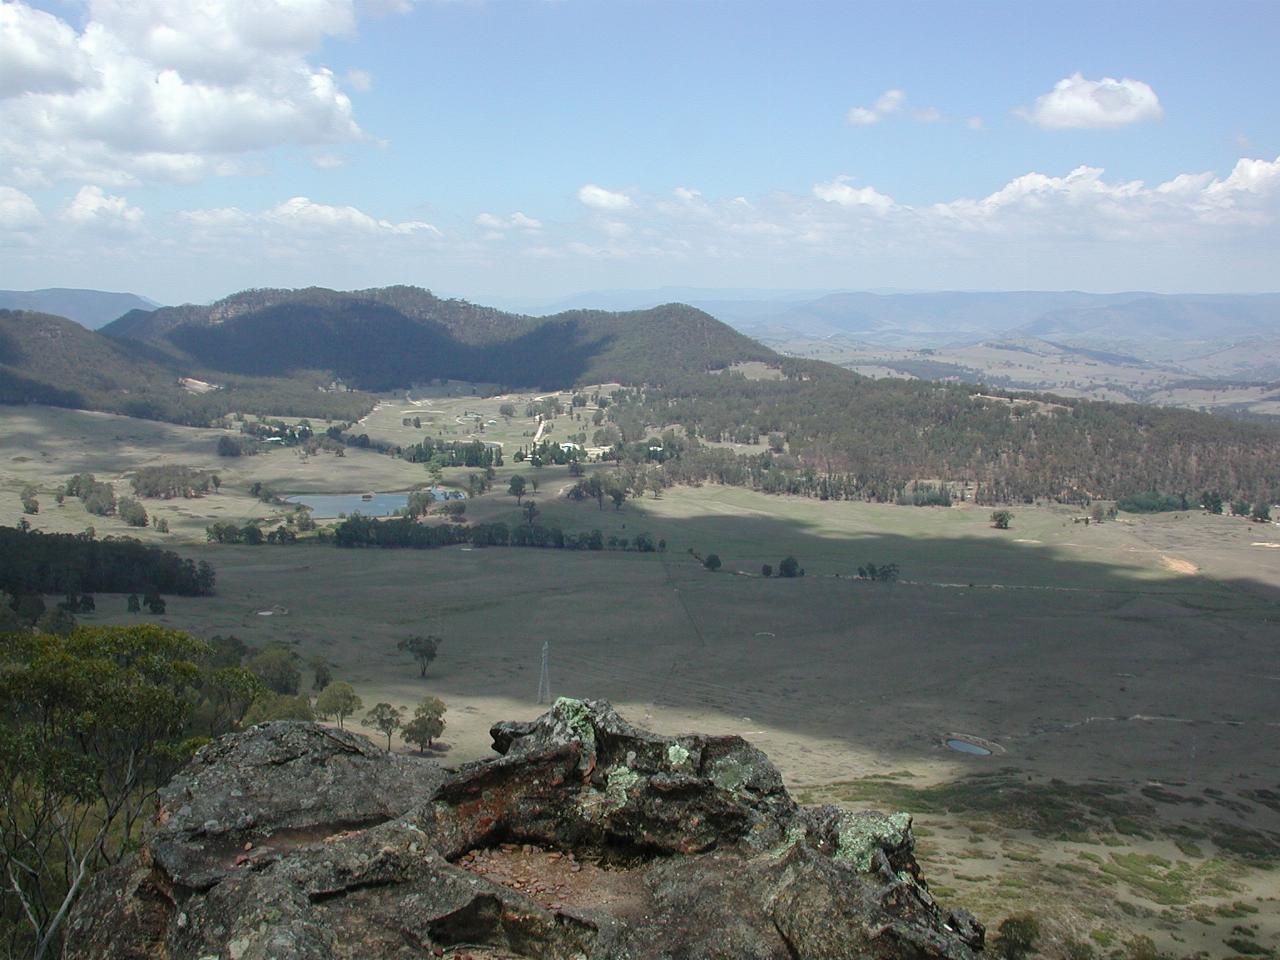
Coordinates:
<point>291,842</point>
<point>860,835</point>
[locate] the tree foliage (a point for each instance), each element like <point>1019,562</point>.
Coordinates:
<point>422,649</point>
<point>58,563</point>
<point>384,718</point>
<point>92,724</point>
<point>339,701</point>
<point>427,723</point>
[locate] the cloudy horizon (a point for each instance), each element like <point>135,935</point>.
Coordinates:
<point>184,150</point>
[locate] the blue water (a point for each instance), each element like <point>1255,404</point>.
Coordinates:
<point>328,505</point>
<point>964,746</point>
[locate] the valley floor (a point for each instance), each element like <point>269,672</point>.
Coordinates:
<point>1126,673</point>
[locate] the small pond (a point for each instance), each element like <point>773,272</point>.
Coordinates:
<point>329,505</point>
<point>964,746</point>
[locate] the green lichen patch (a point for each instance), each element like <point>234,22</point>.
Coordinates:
<point>576,715</point>
<point>731,773</point>
<point>618,782</point>
<point>860,835</point>
<point>678,756</point>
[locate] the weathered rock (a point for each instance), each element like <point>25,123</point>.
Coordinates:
<point>691,845</point>
<point>277,786</point>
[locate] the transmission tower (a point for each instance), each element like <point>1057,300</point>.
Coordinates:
<point>544,681</point>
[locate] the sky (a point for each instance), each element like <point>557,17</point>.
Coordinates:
<point>530,149</point>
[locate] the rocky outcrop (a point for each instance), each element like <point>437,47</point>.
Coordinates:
<point>586,839</point>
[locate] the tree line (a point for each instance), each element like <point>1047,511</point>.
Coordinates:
<point>61,563</point>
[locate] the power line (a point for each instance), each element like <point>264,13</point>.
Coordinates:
<point>544,680</point>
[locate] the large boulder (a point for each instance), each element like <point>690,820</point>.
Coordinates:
<point>586,839</point>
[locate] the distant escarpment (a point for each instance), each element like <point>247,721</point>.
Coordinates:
<point>586,838</point>
<point>395,337</point>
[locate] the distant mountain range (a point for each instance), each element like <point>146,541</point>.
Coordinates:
<point>286,343</point>
<point>90,308</point>
<point>932,319</point>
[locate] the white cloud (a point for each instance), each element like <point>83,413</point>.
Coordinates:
<point>92,207</point>
<point>975,123</point>
<point>1076,103</point>
<point>17,210</point>
<point>1087,205</point>
<point>38,53</point>
<point>167,89</point>
<point>599,198</point>
<point>517,221</point>
<point>330,161</point>
<point>360,80</point>
<point>304,213</point>
<point>841,191</point>
<point>888,103</point>
<point>1062,218</point>
<point>302,217</point>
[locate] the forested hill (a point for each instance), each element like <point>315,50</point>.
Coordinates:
<point>835,435</point>
<point>397,336</point>
<point>53,361</point>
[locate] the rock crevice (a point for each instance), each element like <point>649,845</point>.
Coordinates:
<point>584,839</point>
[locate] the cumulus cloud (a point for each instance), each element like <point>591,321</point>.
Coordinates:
<point>842,191</point>
<point>891,101</point>
<point>17,210</point>
<point>91,206</point>
<point>1055,214</point>
<point>38,53</point>
<point>304,213</point>
<point>598,198</point>
<point>517,221</point>
<point>167,89</point>
<point>1076,103</point>
<point>304,216</point>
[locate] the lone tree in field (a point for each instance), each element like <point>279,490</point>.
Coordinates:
<point>339,701</point>
<point>427,723</point>
<point>422,649</point>
<point>1000,519</point>
<point>517,487</point>
<point>788,567</point>
<point>712,562</point>
<point>531,512</point>
<point>385,718</point>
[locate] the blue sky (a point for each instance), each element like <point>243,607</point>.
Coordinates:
<point>529,149</point>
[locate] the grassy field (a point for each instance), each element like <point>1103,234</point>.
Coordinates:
<point>1126,673</point>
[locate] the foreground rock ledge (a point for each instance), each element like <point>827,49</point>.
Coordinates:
<point>587,839</point>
